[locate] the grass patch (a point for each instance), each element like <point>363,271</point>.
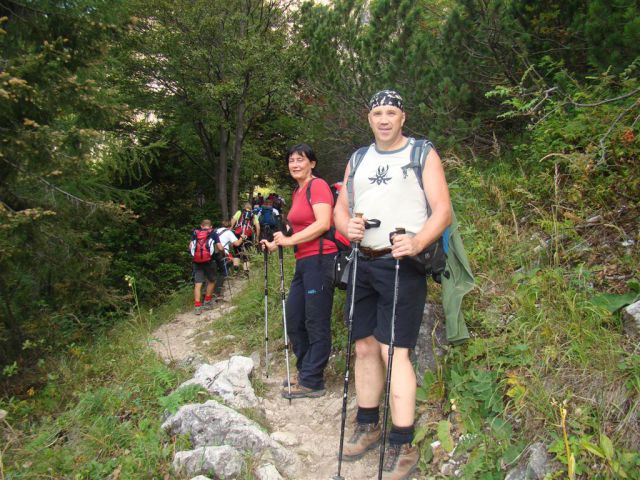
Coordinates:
<point>98,408</point>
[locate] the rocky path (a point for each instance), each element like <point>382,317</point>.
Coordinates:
<point>181,340</point>
<point>311,428</point>
<point>308,427</point>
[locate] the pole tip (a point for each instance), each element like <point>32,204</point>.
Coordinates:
<point>337,477</point>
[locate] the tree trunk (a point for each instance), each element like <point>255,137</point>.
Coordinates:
<point>208,149</point>
<point>237,155</point>
<point>14,334</point>
<point>222,174</point>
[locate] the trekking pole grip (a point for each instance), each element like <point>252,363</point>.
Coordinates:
<point>397,231</point>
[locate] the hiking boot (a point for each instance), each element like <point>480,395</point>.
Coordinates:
<point>400,461</point>
<point>300,391</point>
<point>293,379</point>
<point>198,310</point>
<point>365,437</point>
<point>208,304</point>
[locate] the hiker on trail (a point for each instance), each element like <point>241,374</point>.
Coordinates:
<point>269,220</point>
<point>278,202</point>
<point>310,300</point>
<point>245,223</point>
<point>203,246</point>
<point>246,226</point>
<point>385,188</point>
<point>228,240</point>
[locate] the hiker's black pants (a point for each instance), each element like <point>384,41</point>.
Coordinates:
<point>309,317</point>
<point>221,274</point>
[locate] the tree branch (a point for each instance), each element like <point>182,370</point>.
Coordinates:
<point>69,196</point>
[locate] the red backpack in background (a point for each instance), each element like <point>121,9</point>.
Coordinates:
<point>244,226</point>
<point>201,253</point>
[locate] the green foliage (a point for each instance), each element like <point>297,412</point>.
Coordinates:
<point>614,302</point>
<point>444,435</point>
<point>182,396</point>
<point>97,409</point>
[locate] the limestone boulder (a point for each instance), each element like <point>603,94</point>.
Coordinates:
<point>631,319</point>
<point>211,423</point>
<point>229,379</point>
<point>432,340</point>
<point>222,462</point>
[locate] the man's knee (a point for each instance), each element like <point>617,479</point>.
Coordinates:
<point>400,354</point>
<point>367,348</point>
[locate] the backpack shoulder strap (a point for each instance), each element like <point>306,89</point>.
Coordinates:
<point>354,163</point>
<point>308,192</point>
<point>419,152</point>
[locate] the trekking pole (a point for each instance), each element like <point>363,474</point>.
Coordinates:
<point>398,231</point>
<point>345,389</point>
<point>284,319</point>
<point>266,311</point>
<point>227,278</point>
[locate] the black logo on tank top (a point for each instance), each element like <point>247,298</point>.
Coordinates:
<point>381,176</point>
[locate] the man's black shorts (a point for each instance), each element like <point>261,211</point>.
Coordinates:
<point>374,301</point>
<point>204,270</point>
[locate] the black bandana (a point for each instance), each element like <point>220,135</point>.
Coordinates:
<point>386,97</point>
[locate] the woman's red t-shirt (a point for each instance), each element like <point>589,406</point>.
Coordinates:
<point>301,216</point>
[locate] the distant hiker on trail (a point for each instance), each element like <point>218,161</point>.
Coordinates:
<point>245,223</point>
<point>246,226</point>
<point>228,240</point>
<point>278,203</point>
<point>385,188</point>
<point>310,300</point>
<point>269,220</point>
<point>203,246</point>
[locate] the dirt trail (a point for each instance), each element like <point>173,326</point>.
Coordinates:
<point>309,427</point>
<point>180,340</point>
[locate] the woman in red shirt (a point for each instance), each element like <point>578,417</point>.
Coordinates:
<point>310,297</point>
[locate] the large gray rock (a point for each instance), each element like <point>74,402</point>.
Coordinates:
<point>223,462</point>
<point>211,423</point>
<point>228,379</point>
<point>631,319</point>
<point>432,333</point>
<point>267,472</point>
<point>537,466</point>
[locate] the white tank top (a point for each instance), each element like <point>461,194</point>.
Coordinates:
<point>386,188</point>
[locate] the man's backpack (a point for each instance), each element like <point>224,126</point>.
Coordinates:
<point>335,189</point>
<point>267,217</point>
<point>434,258</point>
<point>245,224</point>
<point>201,252</point>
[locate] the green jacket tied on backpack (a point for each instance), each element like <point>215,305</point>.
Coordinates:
<point>455,286</point>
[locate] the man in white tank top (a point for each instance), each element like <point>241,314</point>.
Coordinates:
<point>385,188</point>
